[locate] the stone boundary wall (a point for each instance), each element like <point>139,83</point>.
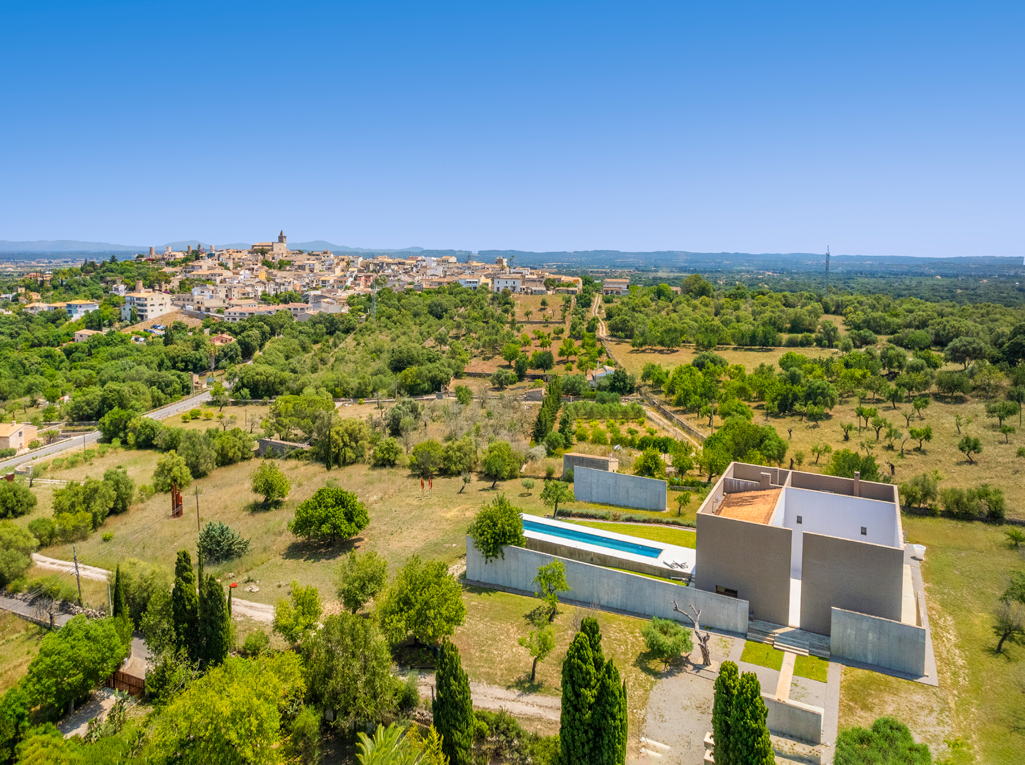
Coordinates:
<point>605,488</point>
<point>574,460</point>
<point>792,719</point>
<point>878,642</point>
<point>608,588</point>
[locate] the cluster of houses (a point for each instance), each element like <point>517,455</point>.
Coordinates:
<point>229,283</point>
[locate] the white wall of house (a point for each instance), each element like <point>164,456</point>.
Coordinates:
<point>837,516</point>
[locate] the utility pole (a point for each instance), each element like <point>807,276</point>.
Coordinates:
<point>827,270</point>
<point>78,578</point>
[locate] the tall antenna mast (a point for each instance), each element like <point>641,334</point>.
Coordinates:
<point>827,269</point>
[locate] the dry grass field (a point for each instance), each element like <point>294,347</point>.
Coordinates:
<point>19,643</point>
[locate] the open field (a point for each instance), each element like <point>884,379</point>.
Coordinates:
<point>633,360</point>
<point>19,643</point>
<point>490,652</point>
<point>979,698</point>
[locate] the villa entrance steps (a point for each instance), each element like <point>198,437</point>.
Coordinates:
<point>788,639</point>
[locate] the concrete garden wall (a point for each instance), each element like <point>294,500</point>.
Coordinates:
<point>879,642</point>
<point>607,588</point>
<point>606,488</point>
<point>792,719</point>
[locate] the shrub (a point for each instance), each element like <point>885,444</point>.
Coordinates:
<point>44,530</point>
<point>387,453</point>
<point>666,640</point>
<point>218,541</point>
<point>329,514</point>
<point>408,696</point>
<point>144,493</point>
<point>426,458</point>
<point>361,577</point>
<point>16,548</point>
<point>255,644</point>
<point>496,525</point>
<point>16,499</point>
<point>270,482</point>
<point>108,536</point>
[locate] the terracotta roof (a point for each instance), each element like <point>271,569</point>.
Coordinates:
<point>753,506</point>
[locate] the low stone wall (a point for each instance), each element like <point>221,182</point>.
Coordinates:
<point>280,448</point>
<point>792,719</point>
<point>878,642</point>
<point>607,588</point>
<point>606,488</point>
<point>574,460</point>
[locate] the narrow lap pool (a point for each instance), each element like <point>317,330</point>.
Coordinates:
<point>592,538</point>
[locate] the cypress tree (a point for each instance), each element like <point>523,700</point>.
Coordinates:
<point>185,606</point>
<point>452,707</point>
<point>608,721</point>
<point>590,627</point>
<point>722,713</point>
<point>119,611</point>
<point>566,428</point>
<point>624,721</point>
<point>214,624</point>
<point>751,742</point>
<point>546,416</point>
<point>579,690</point>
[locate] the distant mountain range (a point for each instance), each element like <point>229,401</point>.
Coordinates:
<point>74,247</point>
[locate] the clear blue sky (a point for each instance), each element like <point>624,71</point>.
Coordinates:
<point>877,128</point>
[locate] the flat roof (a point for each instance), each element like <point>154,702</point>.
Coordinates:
<point>753,506</point>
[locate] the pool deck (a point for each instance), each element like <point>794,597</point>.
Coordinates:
<point>675,561</point>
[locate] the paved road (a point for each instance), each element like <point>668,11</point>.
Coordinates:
<point>80,442</point>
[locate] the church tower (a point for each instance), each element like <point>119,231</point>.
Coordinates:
<point>282,238</point>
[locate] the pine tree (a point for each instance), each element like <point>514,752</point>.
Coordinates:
<point>722,713</point>
<point>452,707</point>
<point>122,619</point>
<point>748,731</point>
<point>214,624</point>
<point>608,721</point>
<point>185,606</point>
<point>579,690</point>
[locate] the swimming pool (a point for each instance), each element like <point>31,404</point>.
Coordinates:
<point>592,538</point>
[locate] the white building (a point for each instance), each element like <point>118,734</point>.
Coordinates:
<point>147,304</point>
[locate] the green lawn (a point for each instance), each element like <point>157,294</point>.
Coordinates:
<point>665,534</point>
<point>764,655</point>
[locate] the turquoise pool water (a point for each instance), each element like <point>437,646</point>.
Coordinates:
<point>593,538</point>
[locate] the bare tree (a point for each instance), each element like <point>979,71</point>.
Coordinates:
<point>700,634</point>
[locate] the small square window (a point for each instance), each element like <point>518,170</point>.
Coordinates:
<point>800,519</point>
<point>864,531</point>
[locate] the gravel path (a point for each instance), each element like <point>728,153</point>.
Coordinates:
<point>261,612</point>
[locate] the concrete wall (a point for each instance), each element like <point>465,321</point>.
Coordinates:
<point>751,558</point>
<point>574,460</point>
<point>880,642</point>
<point>792,719</point>
<point>836,515</point>
<point>849,486</point>
<point>621,490</point>
<point>854,576</point>
<point>604,587</point>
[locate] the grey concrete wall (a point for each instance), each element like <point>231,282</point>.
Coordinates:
<point>597,558</point>
<point>876,641</point>
<point>854,576</point>
<point>574,460</point>
<point>605,488</point>
<point>792,719</point>
<point>751,558</point>
<point>836,485</point>
<point>280,448</point>
<point>604,587</point>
